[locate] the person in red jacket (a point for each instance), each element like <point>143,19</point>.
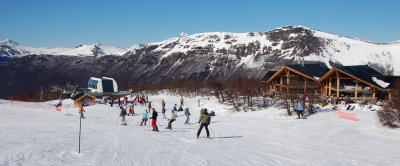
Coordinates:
<point>81,111</point>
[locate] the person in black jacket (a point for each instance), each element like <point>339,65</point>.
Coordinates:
<point>154,120</point>
<point>122,115</point>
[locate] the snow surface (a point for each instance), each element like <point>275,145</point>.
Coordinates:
<point>381,83</point>
<point>35,134</point>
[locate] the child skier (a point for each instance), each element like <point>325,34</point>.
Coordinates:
<point>144,119</point>
<point>187,114</point>
<point>173,118</point>
<point>122,115</point>
<point>154,120</point>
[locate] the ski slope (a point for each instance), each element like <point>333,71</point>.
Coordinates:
<point>35,134</point>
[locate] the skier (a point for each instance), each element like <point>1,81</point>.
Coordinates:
<point>122,115</point>
<point>300,111</point>
<point>181,101</point>
<point>81,111</point>
<point>154,120</point>
<point>175,108</point>
<point>149,105</point>
<point>119,101</point>
<point>173,118</point>
<point>131,112</point>
<point>126,100</point>
<point>204,121</point>
<point>187,114</point>
<point>163,103</point>
<point>163,113</point>
<point>180,108</point>
<point>105,101</point>
<point>111,101</point>
<point>144,119</point>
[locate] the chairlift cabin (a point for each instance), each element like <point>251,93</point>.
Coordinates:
<point>103,85</point>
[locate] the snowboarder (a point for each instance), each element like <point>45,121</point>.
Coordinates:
<point>122,115</point>
<point>181,101</point>
<point>187,114</point>
<point>154,120</point>
<point>204,121</point>
<point>81,111</point>
<point>300,111</point>
<point>173,118</point>
<point>144,118</point>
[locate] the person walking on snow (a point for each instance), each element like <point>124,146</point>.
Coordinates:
<point>111,101</point>
<point>300,111</point>
<point>122,115</point>
<point>154,120</point>
<point>204,121</point>
<point>181,101</point>
<point>144,118</point>
<point>187,114</point>
<point>81,111</point>
<point>173,118</point>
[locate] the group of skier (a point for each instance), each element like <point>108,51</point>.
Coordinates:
<point>204,119</point>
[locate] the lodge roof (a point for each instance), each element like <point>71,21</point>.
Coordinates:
<point>268,75</point>
<point>388,79</point>
<point>363,72</point>
<point>315,71</point>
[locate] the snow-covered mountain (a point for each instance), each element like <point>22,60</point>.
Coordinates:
<point>202,56</point>
<point>255,49</point>
<point>11,49</point>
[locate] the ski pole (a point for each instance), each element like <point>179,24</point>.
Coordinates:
<point>212,131</point>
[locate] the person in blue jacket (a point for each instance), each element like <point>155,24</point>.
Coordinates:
<point>187,114</point>
<point>300,111</point>
<point>144,119</point>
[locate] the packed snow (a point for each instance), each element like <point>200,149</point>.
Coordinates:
<point>36,134</point>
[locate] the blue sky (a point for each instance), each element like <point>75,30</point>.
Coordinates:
<point>57,23</point>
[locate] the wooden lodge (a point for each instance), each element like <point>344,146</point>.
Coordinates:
<point>356,82</point>
<point>84,99</point>
<point>296,77</point>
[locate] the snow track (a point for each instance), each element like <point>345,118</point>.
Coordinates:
<point>37,136</point>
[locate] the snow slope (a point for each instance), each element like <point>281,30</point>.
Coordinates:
<point>35,134</point>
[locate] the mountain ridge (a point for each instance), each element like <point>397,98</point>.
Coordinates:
<point>220,55</point>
